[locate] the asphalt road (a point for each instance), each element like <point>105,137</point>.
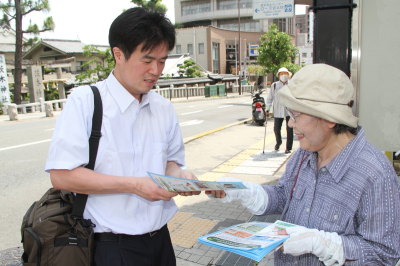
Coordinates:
<point>24,146</point>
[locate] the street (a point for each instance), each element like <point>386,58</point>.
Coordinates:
<point>24,146</point>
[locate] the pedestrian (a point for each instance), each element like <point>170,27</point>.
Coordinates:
<point>279,111</point>
<point>140,133</point>
<point>341,191</point>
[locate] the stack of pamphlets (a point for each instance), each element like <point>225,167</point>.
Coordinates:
<point>175,184</point>
<point>253,240</point>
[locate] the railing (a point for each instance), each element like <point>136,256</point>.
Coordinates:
<point>48,107</point>
<point>187,92</point>
<point>184,91</point>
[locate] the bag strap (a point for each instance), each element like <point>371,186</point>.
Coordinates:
<point>80,199</point>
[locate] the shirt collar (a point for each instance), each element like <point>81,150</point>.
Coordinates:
<point>122,97</point>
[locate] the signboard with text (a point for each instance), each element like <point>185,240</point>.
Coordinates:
<point>265,9</point>
<point>4,89</point>
<point>253,49</point>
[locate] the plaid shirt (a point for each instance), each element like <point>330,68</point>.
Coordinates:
<point>357,195</point>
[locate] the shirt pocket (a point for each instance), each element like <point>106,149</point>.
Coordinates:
<point>298,192</point>
<point>332,217</point>
<point>107,163</point>
<point>155,160</point>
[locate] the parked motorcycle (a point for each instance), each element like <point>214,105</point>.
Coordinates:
<point>258,108</point>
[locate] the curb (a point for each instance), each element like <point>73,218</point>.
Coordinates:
<point>189,139</point>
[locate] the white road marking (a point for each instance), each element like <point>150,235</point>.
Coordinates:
<point>225,106</point>
<point>191,122</point>
<point>49,129</point>
<point>192,112</point>
<point>23,145</point>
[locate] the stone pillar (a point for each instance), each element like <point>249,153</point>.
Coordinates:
<point>35,83</point>
<point>60,85</point>
<point>13,111</point>
<point>41,100</point>
<point>48,107</point>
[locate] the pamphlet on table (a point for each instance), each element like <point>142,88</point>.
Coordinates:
<point>253,240</point>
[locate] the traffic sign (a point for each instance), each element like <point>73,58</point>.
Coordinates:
<point>264,9</point>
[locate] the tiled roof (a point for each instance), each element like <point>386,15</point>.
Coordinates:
<point>66,46</point>
<point>9,48</point>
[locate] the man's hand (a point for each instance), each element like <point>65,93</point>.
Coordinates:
<point>147,189</point>
<point>188,175</point>
<point>217,193</point>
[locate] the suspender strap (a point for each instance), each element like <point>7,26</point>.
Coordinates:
<point>80,199</point>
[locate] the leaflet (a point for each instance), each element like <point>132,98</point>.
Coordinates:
<point>253,240</point>
<point>183,185</point>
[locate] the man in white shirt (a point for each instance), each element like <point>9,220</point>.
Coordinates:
<point>279,110</point>
<point>140,134</point>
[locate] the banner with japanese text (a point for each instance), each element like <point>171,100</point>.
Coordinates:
<point>4,89</point>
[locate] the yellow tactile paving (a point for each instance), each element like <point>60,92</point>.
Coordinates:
<point>181,217</point>
<point>187,234</point>
<point>185,238</point>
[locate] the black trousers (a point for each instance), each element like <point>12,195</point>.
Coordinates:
<point>143,250</point>
<point>289,131</point>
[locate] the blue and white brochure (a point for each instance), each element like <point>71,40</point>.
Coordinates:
<point>253,240</point>
<point>175,184</point>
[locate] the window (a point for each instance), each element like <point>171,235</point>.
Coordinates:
<point>189,8</point>
<point>79,67</point>
<point>178,49</point>
<point>303,54</point>
<point>201,48</point>
<point>215,57</point>
<point>190,48</point>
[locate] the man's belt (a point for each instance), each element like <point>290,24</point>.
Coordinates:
<point>117,237</point>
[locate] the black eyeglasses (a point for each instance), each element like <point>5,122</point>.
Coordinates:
<point>292,115</point>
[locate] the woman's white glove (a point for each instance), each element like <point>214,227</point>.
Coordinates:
<point>328,247</point>
<point>255,198</point>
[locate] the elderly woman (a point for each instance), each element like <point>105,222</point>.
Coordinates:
<point>340,190</point>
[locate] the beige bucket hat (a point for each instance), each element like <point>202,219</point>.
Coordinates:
<point>322,91</point>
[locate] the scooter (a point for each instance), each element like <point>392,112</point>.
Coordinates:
<point>258,108</point>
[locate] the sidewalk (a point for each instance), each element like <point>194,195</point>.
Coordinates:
<point>39,115</point>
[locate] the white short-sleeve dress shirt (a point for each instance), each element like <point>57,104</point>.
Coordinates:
<point>136,138</point>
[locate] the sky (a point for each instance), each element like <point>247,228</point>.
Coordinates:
<point>90,20</point>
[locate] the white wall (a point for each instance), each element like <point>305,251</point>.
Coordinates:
<point>379,80</point>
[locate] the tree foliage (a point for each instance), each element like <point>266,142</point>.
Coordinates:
<point>154,5</point>
<point>191,69</point>
<point>277,51</point>
<point>102,70</point>
<point>16,10</point>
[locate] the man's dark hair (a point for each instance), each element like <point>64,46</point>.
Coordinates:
<point>340,128</point>
<point>139,25</point>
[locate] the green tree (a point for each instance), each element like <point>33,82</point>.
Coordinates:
<point>256,70</point>
<point>154,5</point>
<point>178,25</point>
<point>102,70</point>
<point>15,10</point>
<point>277,51</point>
<point>191,69</point>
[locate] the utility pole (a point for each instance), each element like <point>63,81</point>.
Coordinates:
<point>240,61</point>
